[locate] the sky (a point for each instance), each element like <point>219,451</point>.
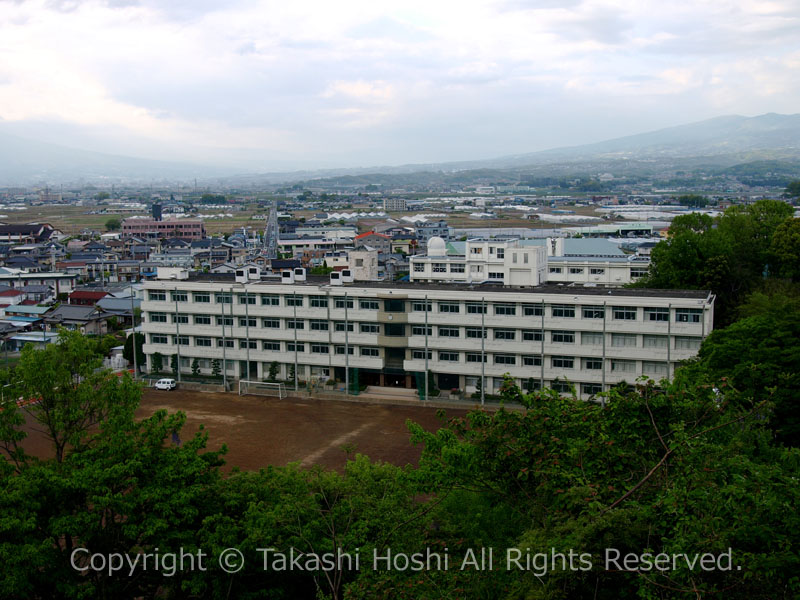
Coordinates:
<point>276,85</point>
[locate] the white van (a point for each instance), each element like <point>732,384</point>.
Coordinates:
<point>166,384</point>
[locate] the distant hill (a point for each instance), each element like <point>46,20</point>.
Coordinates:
<point>27,161</point>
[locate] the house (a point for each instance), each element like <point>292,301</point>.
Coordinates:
<point>86,297</point>
<point>121,308</point>
<point>88,320</point>
<point>375,241</point>
<point>28,233</point>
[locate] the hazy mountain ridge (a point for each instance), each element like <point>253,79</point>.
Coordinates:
<point>718,143</point>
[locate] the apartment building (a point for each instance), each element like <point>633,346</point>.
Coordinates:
<point>389,334</point>
<point>185,229</point>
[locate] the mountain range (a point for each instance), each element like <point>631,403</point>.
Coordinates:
<point>720,142</point>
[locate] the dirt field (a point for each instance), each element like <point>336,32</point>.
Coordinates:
<point>261,431</point>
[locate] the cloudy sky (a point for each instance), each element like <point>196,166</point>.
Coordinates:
<point>294,84</point>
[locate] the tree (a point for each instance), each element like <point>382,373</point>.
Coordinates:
<point>102,196</point>
<point>274,367</point>
<point>127,350</point>
<point>216,368</point>
<point>173,364</point>
<point>195,367</point>
<point>156,362</point>
<point>693,201</point>
<point>785,249</point>
<point>793,189</point>
<point>113,224</point>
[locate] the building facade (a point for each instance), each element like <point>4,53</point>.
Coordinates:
<point>391,334</point>
<point>185,229</point>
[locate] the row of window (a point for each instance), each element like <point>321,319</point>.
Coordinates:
<point>273,346</point>
<point>621,313</point>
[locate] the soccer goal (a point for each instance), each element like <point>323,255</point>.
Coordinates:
<point>262,388</point>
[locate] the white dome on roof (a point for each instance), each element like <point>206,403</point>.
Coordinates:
<point>437,246</point>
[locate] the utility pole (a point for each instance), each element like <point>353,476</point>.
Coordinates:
<point>346,350</point>
<point>426,347</point>
<point>177,333</point>
<point>133,320</point>
<point>483,351</point>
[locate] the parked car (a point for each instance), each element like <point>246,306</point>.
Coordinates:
<point>166,384</point>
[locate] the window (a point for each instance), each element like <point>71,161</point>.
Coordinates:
<point>475,357</point>
<point>270,300</point>
<point>421,330</point>
<point>448,356</point>
<point>563,310</point>
<point>342,326</point>
<point>252,344</point>
<point>654,341</point>
<point>505,359</point>
<point>367,304</point>
<point>476,332</point>
<point>654,369</point>
<point>576,270</point>
<point>623,366</point>
<point>594,312</point>
<point>318,325</point>
<point>452,332</point>
<point>295,324</point>
<point>532,310</point>
<point>369,351</point>
<point>476,250</point>
<point>495,275</point>
<point>394,305</point>
<point>320,349</point>
<point>476,308</point>
<point>272,346</point>
<point>439,267</point>
<point>157,296</point>
<point>246,299</point>
<point>156,317</point>
<point>591,389</point>
<point>419,267</point>
<point>179,296</point>
<point>421,306</point>
<point>501,253</point>
<point>319,302</point>
<point>596,271</point>
<point>201,297</point>
<point>226,321</point>
<point>341,350</point>
<point>224,343</point>
<point>505,334</point>
<point>449,307</point>
<point>589,338</point>
<point>456,267</point>
<point>294,300</point>
<point>248,322</point>
<point>292,347</point>
<point>181,340</point>
<point>562,362</point>
<point>271,323</point>
<point>687,343</point>
<point>624,313</point>
<point>533,360</point>
<point>623,340</point>
<point>532,335</point>
<point>555,269</point>
<point>593,364</point>
<point>342,302</point>
<point>183,319</point>
<point>394,329</point>
<point>562,337</point>
<point>637,273</point>
<point>685,315</point>
<point>505,309</point>
<point>369,328</point>
<point>656,314</point>
<point>221,298</point>
<point>202,341</point>
<point>420,354</point>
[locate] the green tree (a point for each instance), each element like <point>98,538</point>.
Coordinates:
<point>793,189</point>
<point>195,367</point>
<point>156,362</point>
<point>693,201</point>
<point>216,368</point>
<point>113,224</point>
<point>173,364</point>
<point>127,350</point>
<point>274,367</point>
<point>102,196</point>
<point>785,249</point>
